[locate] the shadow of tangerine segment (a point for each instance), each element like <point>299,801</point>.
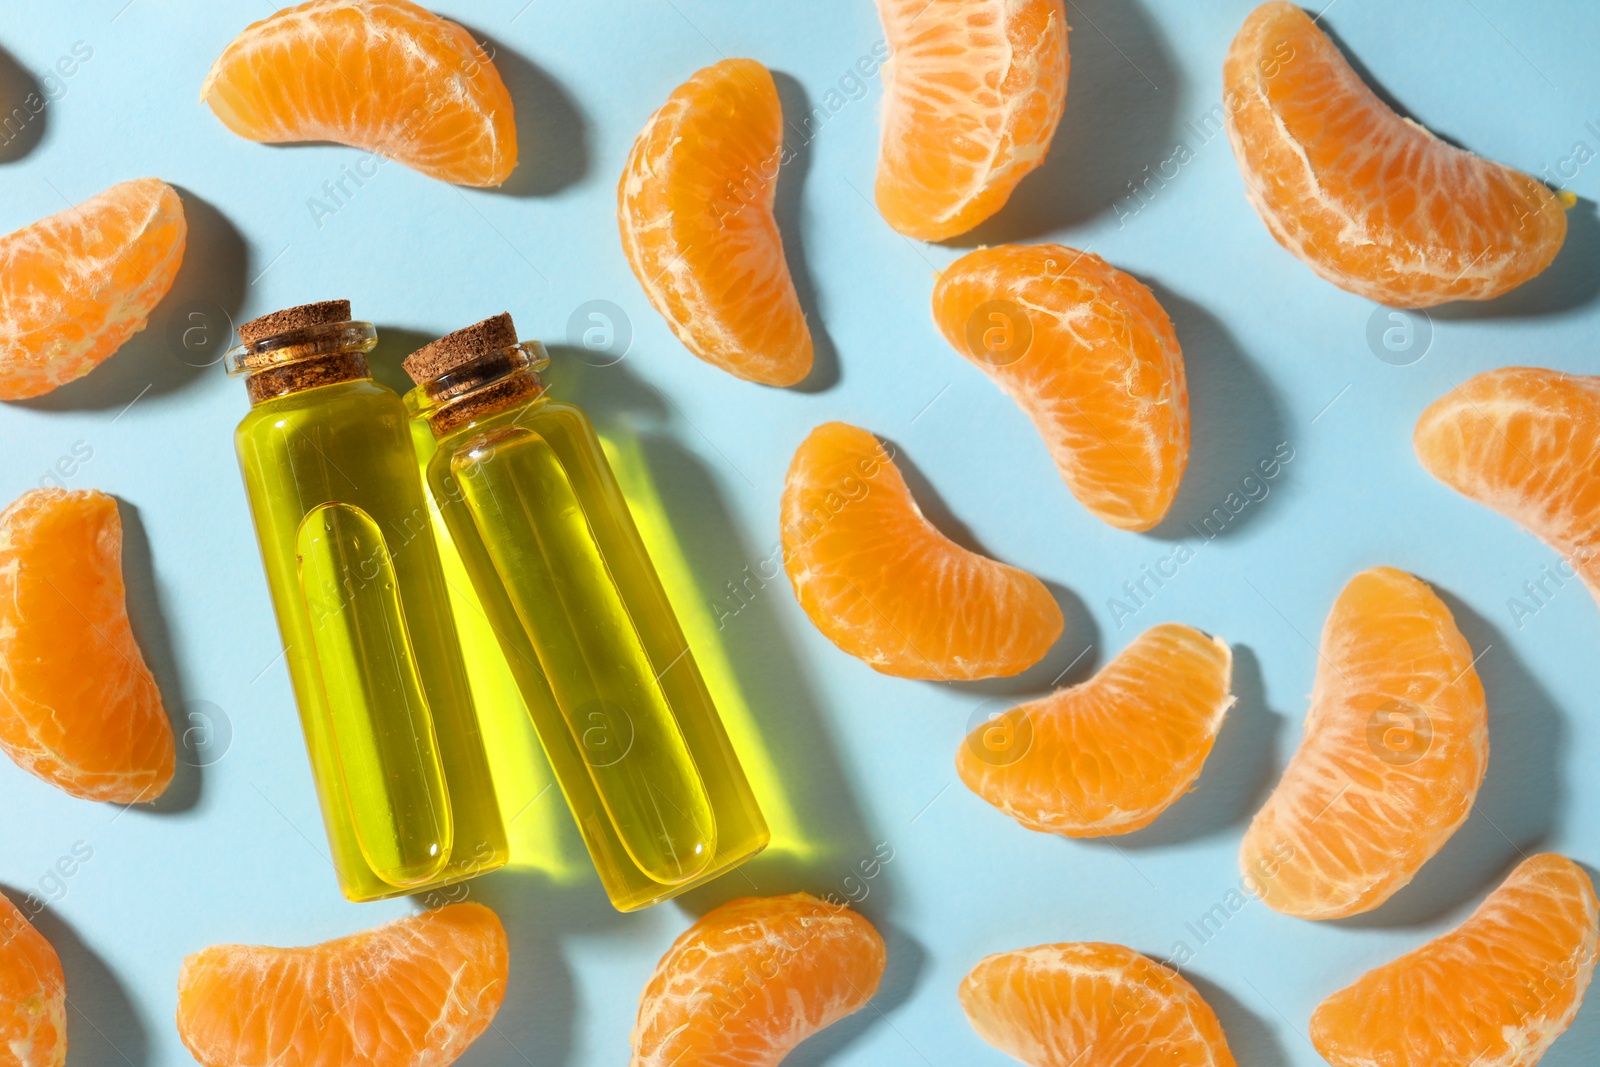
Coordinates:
<point>949,154</point>
<point>79,708</point>
<point>1111,755</point>
<point>1394,750</point>
<point>1369,200</point>
<point>1500,988</point>
<point>1090,356</point>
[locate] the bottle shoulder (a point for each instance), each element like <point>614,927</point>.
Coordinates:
<point>542,416</point>
<point>340,404</point>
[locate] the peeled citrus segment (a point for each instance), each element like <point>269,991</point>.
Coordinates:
<point>1112,754</point>
<point>78,706</point>
<point>1084,1004</point>
<point>412,993</point>
<point>695,209</point>
<point>1392,755</point>
<point>1088,353</point>
<point>1525,442</point>
<point>385,76</point>
<point>76,285</point>
<point>884,585</point>
<point>33,995</point>
<point>1499,989</point>
<point>754,978</point>
<point>1371,201</point>
<point>972,94</point>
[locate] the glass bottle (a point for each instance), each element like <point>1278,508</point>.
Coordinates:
<point>362,607</point>
<point>616,697</point>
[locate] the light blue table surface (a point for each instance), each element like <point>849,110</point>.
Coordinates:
<point>1276,357</point>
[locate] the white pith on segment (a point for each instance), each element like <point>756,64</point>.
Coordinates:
<point>1102,379</point>
<point>1084,1004</point>
<point>50,333</point>
<point>973,92</point>
<point>695,211</point>
<point>1349,823</point>
<point>1371,201</point>
<point>368,56</point>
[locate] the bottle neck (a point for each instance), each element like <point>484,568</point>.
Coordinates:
<point>481,389</point>
<point>298,360</point>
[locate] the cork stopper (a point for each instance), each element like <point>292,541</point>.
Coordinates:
<point>300,348</point>
<point>322,313</point>
<point>460,348</point>
<point>474,373</point>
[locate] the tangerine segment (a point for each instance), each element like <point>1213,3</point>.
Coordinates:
<point>78,706</point>
<point>1371,201</point>
<point>1112,754</point>
<point>76,285</point>
<point>695,209</point>
<point>1089,1003</point>
<point>973,91</point>
<point>1525,442</point>
<point>414,992</point>
<point>884,585</point>
<point>1090,355</point>
<point>33,995</point>
<point>385,76</point>
<point>754,978</point>
<point>1392,755</point>
<point>1498,990</point>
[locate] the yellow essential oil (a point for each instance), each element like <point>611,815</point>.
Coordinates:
<point>615,694</point>
<point>539,832</point>
<point>362,607</point>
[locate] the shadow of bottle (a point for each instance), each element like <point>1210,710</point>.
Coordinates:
<point>395,343</point>
<point>739,586</point>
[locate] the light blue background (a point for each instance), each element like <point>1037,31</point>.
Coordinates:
<point>1274,356</point>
